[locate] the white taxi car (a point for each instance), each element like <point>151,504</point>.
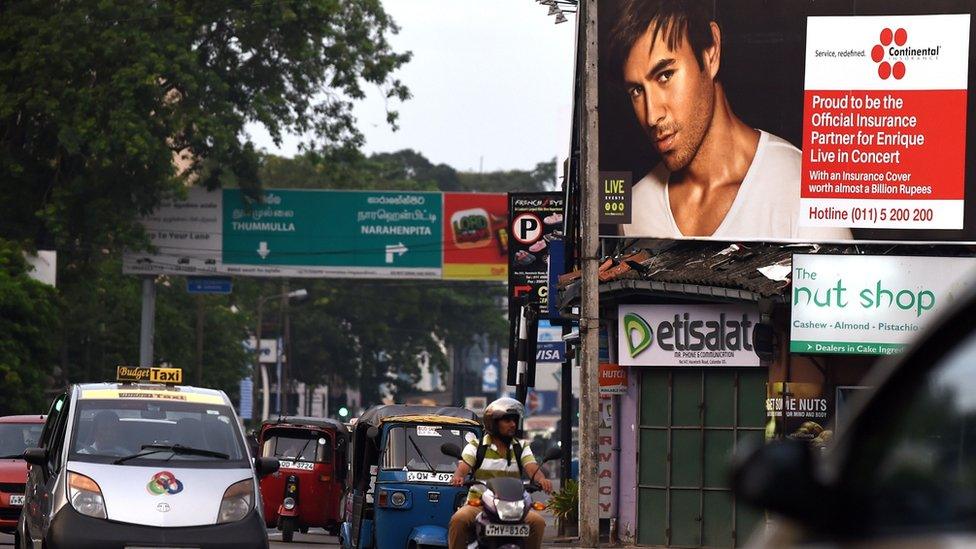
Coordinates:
<point>143,465</point>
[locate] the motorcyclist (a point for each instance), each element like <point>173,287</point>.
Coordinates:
<point>498,448</point>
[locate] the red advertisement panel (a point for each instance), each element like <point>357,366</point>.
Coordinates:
<point>475,236</point>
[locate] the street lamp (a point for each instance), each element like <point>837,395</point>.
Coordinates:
<point>259,370</point>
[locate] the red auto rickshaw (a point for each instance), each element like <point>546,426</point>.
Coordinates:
<point>307,489</point>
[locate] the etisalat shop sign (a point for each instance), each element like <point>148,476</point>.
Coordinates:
<point>870,305</point>
<point>686,335</point>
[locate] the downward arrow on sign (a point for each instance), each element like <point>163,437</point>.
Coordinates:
<point>263,249</point>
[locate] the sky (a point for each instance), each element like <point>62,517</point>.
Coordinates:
<point>491,82</point>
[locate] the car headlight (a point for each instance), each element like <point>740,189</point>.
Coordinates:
<point>86,496</point>
<point>237,501</point>
<point>509,510</point>
<point>398,499</point>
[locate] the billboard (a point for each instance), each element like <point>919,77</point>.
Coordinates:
<point>870,305</point>
<point>808,121</point>
<point>326,233</point>
<point>534,220</point>
<point>686,335</point>
<point>476,241</point>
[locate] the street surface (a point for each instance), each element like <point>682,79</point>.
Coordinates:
<point>314,538</point>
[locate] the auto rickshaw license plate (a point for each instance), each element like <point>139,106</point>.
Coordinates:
<point>303,465</point>
<point>16,500</point>
<point>427,476</point>
<point>507,530</point>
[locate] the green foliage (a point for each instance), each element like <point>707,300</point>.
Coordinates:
<point>101,328</point>
<point>540,178</point>
<point>98,95</point>
<point>564,504</point>
<point>29,314</point>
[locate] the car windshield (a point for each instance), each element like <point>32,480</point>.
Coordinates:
<point>17,437</point>
<point>418,447</point>
<point>106,430</point>
<point>297,445</point>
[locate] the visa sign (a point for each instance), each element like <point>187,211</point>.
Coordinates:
<point>550,351</point>
<point>686,335</point>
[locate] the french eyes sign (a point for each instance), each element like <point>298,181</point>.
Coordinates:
<point>870,305</point>
<point>686,335</point>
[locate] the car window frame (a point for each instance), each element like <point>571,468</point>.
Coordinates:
<point>53,415</point>
<point>55,452</point>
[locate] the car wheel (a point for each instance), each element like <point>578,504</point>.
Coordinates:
<point>287,529</point>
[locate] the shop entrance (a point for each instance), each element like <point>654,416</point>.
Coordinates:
<point>690,422</point>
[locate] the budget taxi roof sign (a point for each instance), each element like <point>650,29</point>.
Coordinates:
<point>686,335</point>
<point>870,305</point>
<point>884,125</point>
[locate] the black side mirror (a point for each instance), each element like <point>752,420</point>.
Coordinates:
<point>553,453</point>
<point>264,466</point>
<point>451,449</point>
<point>35,456</point>
<point>780,477</point>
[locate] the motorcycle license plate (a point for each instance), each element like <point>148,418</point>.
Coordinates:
<point>507,530</point>
<point>17,500</point>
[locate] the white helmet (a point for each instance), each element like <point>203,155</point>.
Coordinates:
<point>500,408</point>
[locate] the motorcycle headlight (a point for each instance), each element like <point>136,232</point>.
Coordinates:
<point>86,496</point>
<point>237,501</point>
<point>509,510</point>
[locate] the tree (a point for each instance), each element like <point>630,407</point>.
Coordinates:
<point>108,106</point>
<point>540,178</point>
<point>29,313</point>
<point>99,95</point>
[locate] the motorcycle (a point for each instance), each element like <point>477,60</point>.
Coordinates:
<point>505,504</point>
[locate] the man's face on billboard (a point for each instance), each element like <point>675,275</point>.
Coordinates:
<point>672,96</point>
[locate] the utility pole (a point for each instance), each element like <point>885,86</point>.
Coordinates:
<point>589,426</point>
<point>285,379</point>
<point>148,325</point>
<point>200,314</point>
<point>258,375</point>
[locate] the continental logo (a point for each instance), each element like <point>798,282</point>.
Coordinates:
<point>893,51</point>
<point>683,333</point>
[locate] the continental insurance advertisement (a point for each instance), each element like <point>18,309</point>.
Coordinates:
<point>813,121</point>
<point>870,305</point>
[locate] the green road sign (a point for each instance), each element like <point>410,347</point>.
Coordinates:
<point>342,233</point>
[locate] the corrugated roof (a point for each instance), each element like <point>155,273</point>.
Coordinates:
<point>740,271</point>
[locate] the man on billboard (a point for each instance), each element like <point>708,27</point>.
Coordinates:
<point>718,177</point>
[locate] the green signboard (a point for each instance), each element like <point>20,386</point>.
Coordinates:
<point>384,230</point>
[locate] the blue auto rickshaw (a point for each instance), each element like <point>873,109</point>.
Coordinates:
<point>400,494</point>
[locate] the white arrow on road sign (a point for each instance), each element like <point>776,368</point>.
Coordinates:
<point>263,249</point>
<point>397,248</point>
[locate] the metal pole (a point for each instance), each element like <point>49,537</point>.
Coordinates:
<point>148,327</point>
<point>200,314</point>
<point>566,414</point>
<point>258,384</point>
<point>521,387</point>
<point>286,390</point>
<point>589,426</point>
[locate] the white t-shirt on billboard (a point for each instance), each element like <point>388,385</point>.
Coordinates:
<point>766,207</point>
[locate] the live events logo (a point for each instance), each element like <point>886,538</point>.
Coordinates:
<point>891,53</point>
